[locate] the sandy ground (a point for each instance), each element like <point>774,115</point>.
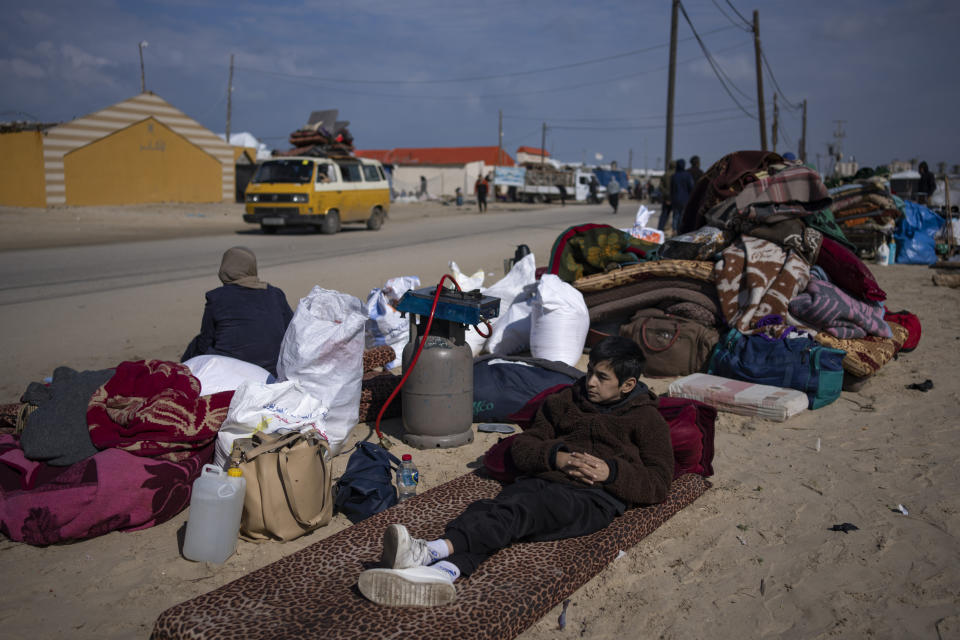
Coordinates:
<point>752,558</point>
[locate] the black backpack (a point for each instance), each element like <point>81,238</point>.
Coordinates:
<point>366,487</point>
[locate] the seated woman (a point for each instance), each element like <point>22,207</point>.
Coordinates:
<point>245,318</point>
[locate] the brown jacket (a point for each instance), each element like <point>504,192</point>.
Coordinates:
<point>630,436</point>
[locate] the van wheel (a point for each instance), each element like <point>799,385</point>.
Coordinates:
<point>268,229</point>
<point>331,223</point>
<point>375,221</point>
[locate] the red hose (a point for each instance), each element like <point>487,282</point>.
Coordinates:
<point>413,362</point>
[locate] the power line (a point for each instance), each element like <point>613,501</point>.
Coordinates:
<point>658,117</point>
<point>790,105</point>
<point>747,28</point>
<point>745,21</point>
<point>573,87</point>
<point>644,127</point>
<point>713,64</point>
<point>513,74</point>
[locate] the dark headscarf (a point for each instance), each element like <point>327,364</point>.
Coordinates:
<point>239,267</point>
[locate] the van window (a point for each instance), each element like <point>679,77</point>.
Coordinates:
<point>370,173</point>
<point>326,173</point>
<point>351,172</point>
<point>284,171</point>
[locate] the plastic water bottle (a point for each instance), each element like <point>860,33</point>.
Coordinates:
<point>407,478</point>
<point>893,251</point>
<point>883,254</point>
<point>216,505</point>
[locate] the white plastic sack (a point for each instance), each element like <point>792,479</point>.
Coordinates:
<point>257,406</point>
<point>223,373</point>
<point>559,322</point>
<point>323,351</point>
<point>385,325</point>
<point>643,216</point>
<point>521,275</point>
<point>511,333</point>
<point>467,283</point>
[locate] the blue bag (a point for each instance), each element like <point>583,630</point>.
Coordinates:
<point>795,363</point>
<point>916,234</point>
<point>366,487</point>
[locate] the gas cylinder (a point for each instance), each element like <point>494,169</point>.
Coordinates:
<point>438,395</point>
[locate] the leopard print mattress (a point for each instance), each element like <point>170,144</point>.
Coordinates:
<point>313,593</point>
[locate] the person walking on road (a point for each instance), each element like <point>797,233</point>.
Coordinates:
<point>613,193</point>
<point>665,196</point>
<point>480,187</point>
<point>681,186</point>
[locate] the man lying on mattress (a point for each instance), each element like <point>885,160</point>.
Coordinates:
<point>594,450</point>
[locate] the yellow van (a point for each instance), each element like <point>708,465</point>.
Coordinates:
<point>317,192</point>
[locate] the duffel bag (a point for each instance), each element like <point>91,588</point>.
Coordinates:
<point>673,346</point>
<point>796,363</point>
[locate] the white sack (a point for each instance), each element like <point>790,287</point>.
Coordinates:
<point>522,274</point>
<point>323,351</point>
<point>511,333</point>
<point>559,322</point>
<point>223,373</point>
<point>467,283</point>
<point>257,406</point>
<point>643,216</point>
<point>385,325</point>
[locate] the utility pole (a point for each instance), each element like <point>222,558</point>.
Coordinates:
<point>543,143</point>
<point>803,135</point>
<point>500,139</point>
<point>776,117</point>
<point>671,78</point>
<point>630,164</point>
<point>143,80</point>
<point>229,98</point>
<point>758,54</point>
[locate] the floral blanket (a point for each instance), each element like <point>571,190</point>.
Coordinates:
<point>153,408</point>
<point>114,490</point>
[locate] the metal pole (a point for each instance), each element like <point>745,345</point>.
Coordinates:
<point>803,136</point>
<point>229,98</point>
<point>671,79</point>
<point>776,116</point>
<point>143,81</point>
<point>500,139</point>
<point>543,143</point>
<point>758,54</point>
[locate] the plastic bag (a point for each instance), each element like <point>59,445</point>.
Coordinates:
<point>915,235</point>
<point>511,333</point>
<point>257,406</point>
<point>521,275</point>
<point>467,283</point>
<point>223,373</point>
<point>323,351</point>
<point>385,325</point>
<point>559,322</point>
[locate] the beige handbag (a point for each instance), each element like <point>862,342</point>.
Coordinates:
<point>288,484</point>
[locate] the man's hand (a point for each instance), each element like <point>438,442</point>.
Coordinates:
<point>583,466</point>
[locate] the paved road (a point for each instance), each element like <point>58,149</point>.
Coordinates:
<point>95,306</point>
<point>44,274</point>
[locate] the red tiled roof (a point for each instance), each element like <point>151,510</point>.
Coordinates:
<point>374,154</point>
<point>438,155</point>
<point>534,151</point>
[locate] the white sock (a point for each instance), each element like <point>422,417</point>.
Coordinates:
<point>447,567</point>
<point>438,549</point>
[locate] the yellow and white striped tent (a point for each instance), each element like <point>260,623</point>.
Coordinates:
<point>139,150</point>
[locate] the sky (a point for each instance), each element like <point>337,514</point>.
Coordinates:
<point>435,73</point>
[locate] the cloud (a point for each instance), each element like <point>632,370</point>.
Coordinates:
<point>35,18</point>
<point>80,60</point>
<point>21,68</point>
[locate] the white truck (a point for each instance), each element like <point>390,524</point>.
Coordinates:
<point>542,183</point>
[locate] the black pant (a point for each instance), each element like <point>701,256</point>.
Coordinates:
<point>482,201</point>
<point>614,200</point>
<point>529,510</point>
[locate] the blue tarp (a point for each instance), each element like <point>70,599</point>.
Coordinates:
<point>916,233</point>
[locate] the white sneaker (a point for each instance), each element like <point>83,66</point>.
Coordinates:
<point>416,587</point>
<point>401,551</point>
